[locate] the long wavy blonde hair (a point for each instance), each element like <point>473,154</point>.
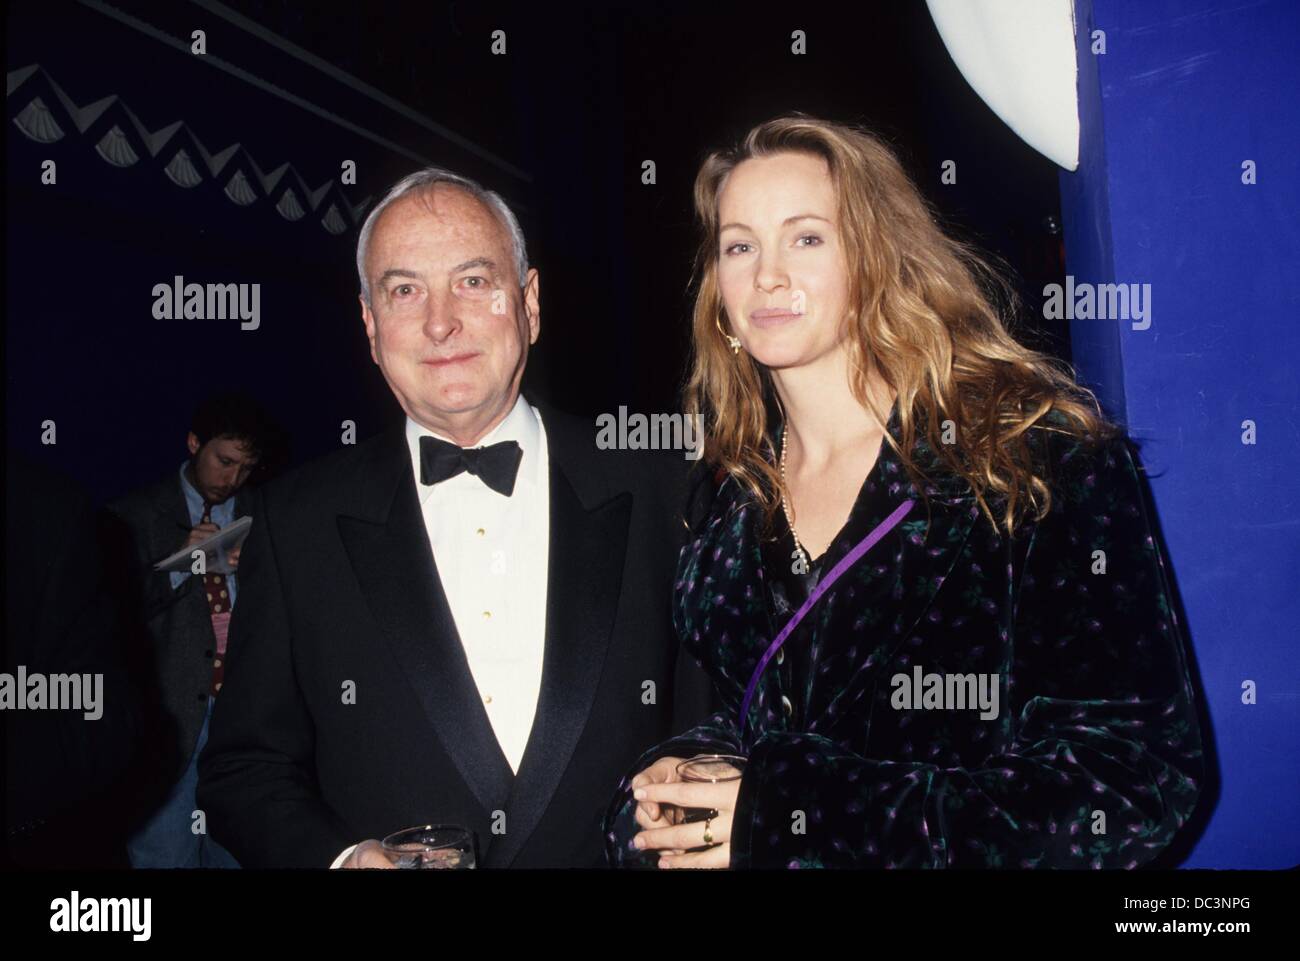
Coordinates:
<point>925,312</point>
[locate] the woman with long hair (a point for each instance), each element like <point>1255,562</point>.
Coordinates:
<point>926,587</point>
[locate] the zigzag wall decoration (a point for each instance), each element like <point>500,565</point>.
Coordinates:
<point>40,109</point>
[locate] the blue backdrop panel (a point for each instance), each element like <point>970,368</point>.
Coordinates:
<point>1185,94</point>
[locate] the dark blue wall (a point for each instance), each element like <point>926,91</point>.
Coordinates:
<point>1185,93</point>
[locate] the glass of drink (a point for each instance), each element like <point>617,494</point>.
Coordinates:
<point>708,769</point>
<point>431,847</point>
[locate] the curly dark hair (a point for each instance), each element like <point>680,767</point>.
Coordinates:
<point>236,415</point>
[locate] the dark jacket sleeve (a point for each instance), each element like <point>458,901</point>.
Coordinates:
<point>694,696</point>
<point>1104,764</point>
<point>257,781</point>
<point>696,703</point>
<point>153,589</point>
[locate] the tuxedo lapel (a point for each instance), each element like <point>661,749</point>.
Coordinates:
<point>386,541</point>
<point>588,543</point>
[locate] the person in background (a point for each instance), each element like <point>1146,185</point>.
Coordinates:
<point>185,617</point>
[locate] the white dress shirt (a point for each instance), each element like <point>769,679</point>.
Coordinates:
<point>492,553</point>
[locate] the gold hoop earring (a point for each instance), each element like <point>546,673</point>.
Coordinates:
<point>732,341</point>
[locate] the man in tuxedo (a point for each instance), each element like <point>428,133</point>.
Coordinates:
<point>466,619</point>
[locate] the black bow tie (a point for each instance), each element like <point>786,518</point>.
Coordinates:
<point>495,466</point>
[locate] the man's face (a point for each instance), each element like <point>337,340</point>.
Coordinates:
<point>221,466</point>
<point>448,323</point>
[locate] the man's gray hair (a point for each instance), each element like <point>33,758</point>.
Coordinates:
<point>427,177</point>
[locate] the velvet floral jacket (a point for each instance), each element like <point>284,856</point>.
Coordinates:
<point>1093,759</point>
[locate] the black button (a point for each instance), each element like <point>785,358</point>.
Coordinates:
<point>203,696</point>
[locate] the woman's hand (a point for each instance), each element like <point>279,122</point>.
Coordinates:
<point>648,813</point>
<point>673,841</point>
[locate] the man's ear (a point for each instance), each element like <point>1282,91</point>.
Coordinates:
<point>368,320</point>
<point>192,442</point>
<point>532,305</point>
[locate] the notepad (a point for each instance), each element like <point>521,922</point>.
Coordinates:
<point>215,548</point>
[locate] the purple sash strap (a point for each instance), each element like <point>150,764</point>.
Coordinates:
<point>814,596</point>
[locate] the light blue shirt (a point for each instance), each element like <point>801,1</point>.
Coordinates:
<point>222,515</point>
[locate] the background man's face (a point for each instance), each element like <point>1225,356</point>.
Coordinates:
<point>221,466</point>
<point>448,323</point>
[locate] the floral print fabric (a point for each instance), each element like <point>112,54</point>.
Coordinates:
<point>1093,759</point>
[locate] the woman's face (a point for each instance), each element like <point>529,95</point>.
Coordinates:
<point>781,268</point>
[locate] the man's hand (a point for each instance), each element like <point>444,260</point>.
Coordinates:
<point>232,557</point>
<point>202,532</point>
<point>368,854</point>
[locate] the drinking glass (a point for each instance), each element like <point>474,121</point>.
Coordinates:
<point>708,769</point>
<point>431,847</point>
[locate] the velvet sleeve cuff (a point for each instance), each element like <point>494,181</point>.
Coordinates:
<point>715,736</point>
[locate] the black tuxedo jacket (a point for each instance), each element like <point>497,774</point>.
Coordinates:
<point>348,709</point>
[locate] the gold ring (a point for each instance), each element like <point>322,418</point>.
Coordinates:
<point>708,836</point>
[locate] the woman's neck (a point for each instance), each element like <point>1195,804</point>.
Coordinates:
<point>824,418</point>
